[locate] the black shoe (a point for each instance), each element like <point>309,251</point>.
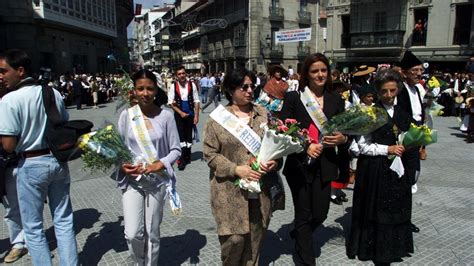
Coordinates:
<point>336,201</point>
<point>343,198</point>
<point>414,228</point>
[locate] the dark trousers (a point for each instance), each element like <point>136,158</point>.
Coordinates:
<point>78,100</point>
<point>311,204</point>
<point>185,130</point>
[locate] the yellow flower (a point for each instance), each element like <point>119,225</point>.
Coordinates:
<point>370,112</point>
<point>83,140</point>
<point>345,95</point>
<point>433,82</point>
<point>109,127</point>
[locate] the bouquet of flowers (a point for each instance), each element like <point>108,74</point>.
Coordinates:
<point>125,87</point>
<point>103,149</point>
<point>418,136</point>
<point>357,120</point>
<point>415,136</point>
<point>433,82</point>
<point>280,139</point>
<point>436,109</point>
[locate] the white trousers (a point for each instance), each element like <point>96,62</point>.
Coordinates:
<point>143,213</point>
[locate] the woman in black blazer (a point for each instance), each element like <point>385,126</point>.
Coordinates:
<point>309,180</point>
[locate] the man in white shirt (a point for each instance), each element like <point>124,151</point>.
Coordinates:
<point>410,99</point>
<point>183,97</point>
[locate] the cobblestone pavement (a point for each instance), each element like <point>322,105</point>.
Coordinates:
<point>443,209</point>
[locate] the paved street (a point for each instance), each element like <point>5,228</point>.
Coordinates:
<point>443,209</point>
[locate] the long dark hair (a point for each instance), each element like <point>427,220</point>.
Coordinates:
<point>161,97</point>
<point>304,75</point>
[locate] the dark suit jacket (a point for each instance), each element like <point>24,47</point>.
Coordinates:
<point>403,101</point>
<point>330,163</point>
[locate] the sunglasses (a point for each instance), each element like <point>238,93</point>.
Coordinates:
<point>245,87</point>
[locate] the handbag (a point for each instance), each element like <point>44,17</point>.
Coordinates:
<point>62,136</point>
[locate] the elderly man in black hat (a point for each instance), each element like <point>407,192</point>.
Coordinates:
<point>410,99</point>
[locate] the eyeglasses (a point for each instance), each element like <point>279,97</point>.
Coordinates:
<point>246,87</point>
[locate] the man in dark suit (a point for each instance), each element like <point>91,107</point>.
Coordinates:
<point>77,91</point>
<point>410,99</point>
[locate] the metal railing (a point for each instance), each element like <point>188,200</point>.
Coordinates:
<point>304,17</point>
<point>276,13</point>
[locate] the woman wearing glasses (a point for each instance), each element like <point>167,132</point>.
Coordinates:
<point>242,217</point>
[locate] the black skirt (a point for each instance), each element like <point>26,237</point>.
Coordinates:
<point>381,213</point>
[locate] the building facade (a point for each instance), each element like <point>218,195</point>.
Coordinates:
<point>213,36</point>
<point>440,32</point>
<point>66,36</point>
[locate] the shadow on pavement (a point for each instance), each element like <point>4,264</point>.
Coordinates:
<point>176,250</point>
<point>197,155</point>
<point>280,243</point>
<point>109,237</point>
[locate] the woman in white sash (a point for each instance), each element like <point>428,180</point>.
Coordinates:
<point>151,134</point>
<point>242,217</point>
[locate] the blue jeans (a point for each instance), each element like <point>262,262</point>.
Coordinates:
<point>38,178</point>
<point>12,210</point>
<point>204,94</point>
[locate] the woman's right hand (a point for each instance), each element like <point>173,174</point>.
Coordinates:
<point>314,150</point>
<point>396,150</point>
<point>131,170</point>
<point>245,172</point>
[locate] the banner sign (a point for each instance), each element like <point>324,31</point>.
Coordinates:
<point>295,35</point>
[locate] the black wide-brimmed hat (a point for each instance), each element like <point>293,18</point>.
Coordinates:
<point>409,60</point>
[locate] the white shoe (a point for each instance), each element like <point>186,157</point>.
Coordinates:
<point>414,189</point>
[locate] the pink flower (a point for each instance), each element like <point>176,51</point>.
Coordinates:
<point>279,122</point>
<point>304,131</point>
<point>283,128</point>
<point>290,121</point>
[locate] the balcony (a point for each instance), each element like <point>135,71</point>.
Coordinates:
<point>304,18</point>
<point>276,14</point>
<point>274,52</point>
<point>377,39</point>
<point>240,52</point>
<point>303,52</point>
<point>228,52</point>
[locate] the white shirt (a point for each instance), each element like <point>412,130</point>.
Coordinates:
<point>413,93</point>
<point>184,92</point>
<point>212,81</point>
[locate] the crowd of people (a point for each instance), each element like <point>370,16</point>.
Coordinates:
<point>160,125</point>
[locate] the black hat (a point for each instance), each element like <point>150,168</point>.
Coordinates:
<point>366,89</point>
<point>409,60</point>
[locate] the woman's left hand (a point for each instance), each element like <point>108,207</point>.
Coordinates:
<point>154,167</point>
<point>335,139</point>
<point>269,166</point>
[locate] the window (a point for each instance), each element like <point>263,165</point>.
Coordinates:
<point>380,23</point>
<point>462,28</point>
<point>239,35</point>
<point>303,5</point>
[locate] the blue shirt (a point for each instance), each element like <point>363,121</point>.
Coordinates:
<point>205,82</point>
<point>23,115</point>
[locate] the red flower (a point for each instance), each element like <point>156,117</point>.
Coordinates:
<point>290,121</point>
<point>283,128</point>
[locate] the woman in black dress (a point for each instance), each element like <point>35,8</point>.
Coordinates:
<point>310,180</point>
<point>381,212</point>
